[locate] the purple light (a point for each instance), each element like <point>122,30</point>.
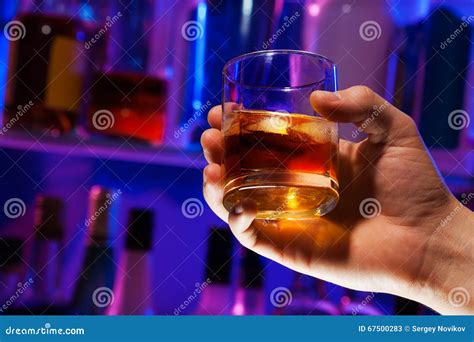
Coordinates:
<point>314,10</point>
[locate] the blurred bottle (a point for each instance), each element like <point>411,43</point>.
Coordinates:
<point>97,274</point>
<point>359,303</point>
<point>45,257</point>
<point>216,290</point>
<point>127,100</point>
<point>307,296</point>
<point>250,295</point>
<point>46,67</point>
<point>132,289</point>
<point>215,32</point>
<point>10,272</point>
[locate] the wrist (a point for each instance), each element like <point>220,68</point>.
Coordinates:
<point>445,281</point>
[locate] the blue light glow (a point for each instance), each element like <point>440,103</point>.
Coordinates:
<point>200,54</point>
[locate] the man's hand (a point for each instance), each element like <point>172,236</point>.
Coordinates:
<point>403,247</point>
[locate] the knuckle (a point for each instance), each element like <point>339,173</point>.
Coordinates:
<point>365,94</point>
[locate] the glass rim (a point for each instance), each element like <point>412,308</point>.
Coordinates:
<point>275,52</point>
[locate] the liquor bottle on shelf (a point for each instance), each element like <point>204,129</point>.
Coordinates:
<point>216,289</point>
<point>359,303</point>
<point>10,273</point>
<point>132,289</point>
<point>305,297</point>
<point>250,295</point>
<point>45,258</point>
<point>96,277</point>
<point>322,304</point>
<point>297,300</point>
<point>127,97</point>
<point>46,65</point>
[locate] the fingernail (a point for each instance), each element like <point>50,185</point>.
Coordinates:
<point>238,209</point>
<point>329,95</point>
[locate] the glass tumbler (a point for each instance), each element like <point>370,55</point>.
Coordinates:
<point>277,150</point>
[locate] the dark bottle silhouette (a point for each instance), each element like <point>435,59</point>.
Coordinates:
<point>95,281</point>
<point>249,295</point>
<point>216,289</point>
<point>132,291</point>
<point>45,259</point>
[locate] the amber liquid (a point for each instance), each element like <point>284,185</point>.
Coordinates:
<point>286,163</point>
<point>136,101</point>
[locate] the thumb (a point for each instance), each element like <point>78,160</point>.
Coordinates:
<point>368,111</point>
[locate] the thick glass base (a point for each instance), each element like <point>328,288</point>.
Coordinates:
<point>283,194</point>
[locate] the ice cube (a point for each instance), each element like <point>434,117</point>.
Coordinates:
<point>230,125</point>
<point>273,123</point>
<point>318,131</point>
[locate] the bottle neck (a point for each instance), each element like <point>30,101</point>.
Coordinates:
<point>216,299</point>
<point>249,301</point>
<point>44,270</point>
<point>132,290</point>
